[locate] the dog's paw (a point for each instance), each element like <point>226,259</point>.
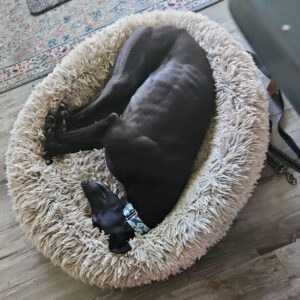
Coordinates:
<point>63,111</point>
<point>112,118</point>
<point>62,116</point>
<point>50,125</point>
<point>57,121</point>
<point>51,147</point>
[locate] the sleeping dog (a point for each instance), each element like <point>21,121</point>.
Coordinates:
<point>151,118</point>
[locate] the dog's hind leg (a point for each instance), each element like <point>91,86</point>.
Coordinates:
<point>86,138</point>
<point>141,54</point>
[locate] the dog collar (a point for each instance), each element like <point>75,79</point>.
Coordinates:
<point>134,220</point>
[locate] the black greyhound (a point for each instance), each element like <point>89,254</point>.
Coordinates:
<point>151,118</point>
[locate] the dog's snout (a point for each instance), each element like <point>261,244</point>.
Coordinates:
<point>103,186</point>
<point>84,183</point>
<point>121,249</point>
<point>91,185</point>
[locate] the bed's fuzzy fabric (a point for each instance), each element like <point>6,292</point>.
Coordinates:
<point>49,202</point>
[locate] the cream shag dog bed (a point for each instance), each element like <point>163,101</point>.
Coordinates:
<point>49,202</point>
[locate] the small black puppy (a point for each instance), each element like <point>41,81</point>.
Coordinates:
<point>151,118</point>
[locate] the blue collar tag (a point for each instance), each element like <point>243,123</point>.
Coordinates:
<point>133,219</point>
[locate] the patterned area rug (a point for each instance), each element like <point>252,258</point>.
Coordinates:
<point>31,46</point>
<point>37,7</point>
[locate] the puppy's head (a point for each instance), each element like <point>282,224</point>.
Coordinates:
<point>107,215</point>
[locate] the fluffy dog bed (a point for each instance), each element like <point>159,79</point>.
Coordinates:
<point>49,202</point>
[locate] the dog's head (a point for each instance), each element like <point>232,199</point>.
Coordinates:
<point>107,215</point>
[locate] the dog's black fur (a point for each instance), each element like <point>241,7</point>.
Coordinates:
<point>151,118</point>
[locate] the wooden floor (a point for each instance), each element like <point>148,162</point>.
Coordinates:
<point>258,259</point>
